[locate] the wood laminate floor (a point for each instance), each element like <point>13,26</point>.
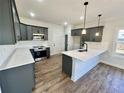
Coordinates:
<point>101,79</point>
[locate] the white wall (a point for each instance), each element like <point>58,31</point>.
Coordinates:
<point>109,40</point>
<point>55,34</point>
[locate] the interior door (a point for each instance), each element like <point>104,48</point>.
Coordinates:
<point>66,42</point>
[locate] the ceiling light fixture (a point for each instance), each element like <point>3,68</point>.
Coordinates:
<point>32,14</point>
<point>40,0</point>
<point>81,18</point>
<point>97,33</point>
<point>85,14</point>
<point>65,23</point>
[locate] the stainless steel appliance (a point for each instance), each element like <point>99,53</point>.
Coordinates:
<point>39,52</point>
<point>38,36</point>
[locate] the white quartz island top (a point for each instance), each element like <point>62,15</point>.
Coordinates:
<point>81,63</point>
<point>84,56</point>
<point>20,57</point>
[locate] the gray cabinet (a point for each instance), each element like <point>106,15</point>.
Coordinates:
<point>45,31</point>
<point>76,32</point>
<point>90,35</point>
<point>67,65</point>
<point>48,52</point>
<point>29,33</point>
<point>9,22</point>
<point>23,32</point>
<point>91,32</point>
<point>28,30</point>
<point>7,31</point>
<point>16,21</point>
<point>17,80</point>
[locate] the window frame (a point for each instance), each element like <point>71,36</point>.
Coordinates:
<point>118,42</point>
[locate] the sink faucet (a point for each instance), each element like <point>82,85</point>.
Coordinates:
<point>85,44</point>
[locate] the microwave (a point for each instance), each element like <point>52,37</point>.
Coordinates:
<point>38,36</point>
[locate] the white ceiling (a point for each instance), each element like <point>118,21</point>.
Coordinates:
<point>59,11</point>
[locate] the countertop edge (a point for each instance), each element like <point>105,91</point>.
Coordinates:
<point>5,67</point>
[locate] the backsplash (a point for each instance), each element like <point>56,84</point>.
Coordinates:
<point>30,44</point>
<point>5,52</point>
<point>98,45</point>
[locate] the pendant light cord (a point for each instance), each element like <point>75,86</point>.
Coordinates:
<point>99,22</point>
<point>85,14</point>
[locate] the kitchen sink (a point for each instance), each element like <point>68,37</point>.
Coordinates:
<point>81,50</point>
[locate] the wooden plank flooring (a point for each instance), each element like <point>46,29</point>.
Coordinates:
<point>101,79</point>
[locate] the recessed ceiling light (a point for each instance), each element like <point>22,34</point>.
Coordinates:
<point>40,0</point>
<point>81,18</point>
<point>32,14</point>
<point>65,23</point>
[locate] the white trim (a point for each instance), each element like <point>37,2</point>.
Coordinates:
<point>0,90</point>
<point>111,64</point>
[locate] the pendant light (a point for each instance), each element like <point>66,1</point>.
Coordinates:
<point>85,14</point>
<point>97,33</point>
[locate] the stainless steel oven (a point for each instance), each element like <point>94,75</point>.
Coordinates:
<point>39,52</point>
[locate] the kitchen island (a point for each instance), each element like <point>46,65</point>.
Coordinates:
<point>17,72</point>
<point>76,64</point>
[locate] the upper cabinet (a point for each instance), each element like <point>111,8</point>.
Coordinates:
<point>27,32</point>
<point>9,23</point>
<point>16,22</point>
<point>11,30</point>
<point>91,34</point>
<point>76,32</point>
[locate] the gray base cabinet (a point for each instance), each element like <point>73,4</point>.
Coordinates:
<point>17,80</point>
<point>67,65</point>
<point>48,52</point>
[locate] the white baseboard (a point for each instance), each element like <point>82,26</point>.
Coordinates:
<point>112,64</point>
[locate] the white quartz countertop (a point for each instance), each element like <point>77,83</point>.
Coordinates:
<point>84,56</point>
<point>20,57</point>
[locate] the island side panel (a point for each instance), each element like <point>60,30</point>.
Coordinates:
<point>67,65</point>
<point>80,68</point>
<point>18,80</point>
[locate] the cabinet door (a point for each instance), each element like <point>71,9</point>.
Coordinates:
<point>100,31</point>
<point>23,32</point>
<point>87,36</point>
<point>67,65</point>
<point>48,52</point>
<point>7,34</point>
<point>3,83</point>
<point>16,22</point>
<point>29,33</point>
<point>41,30</point>
<point>34,29</point>
<point>73,33</point>
<point>18,80</point>
<point>92,34</point>
<point>76,32</point>
<point>45,33</point>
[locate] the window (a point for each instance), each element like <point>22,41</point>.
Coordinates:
<point>121,35</point>
<point>120,42</point>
